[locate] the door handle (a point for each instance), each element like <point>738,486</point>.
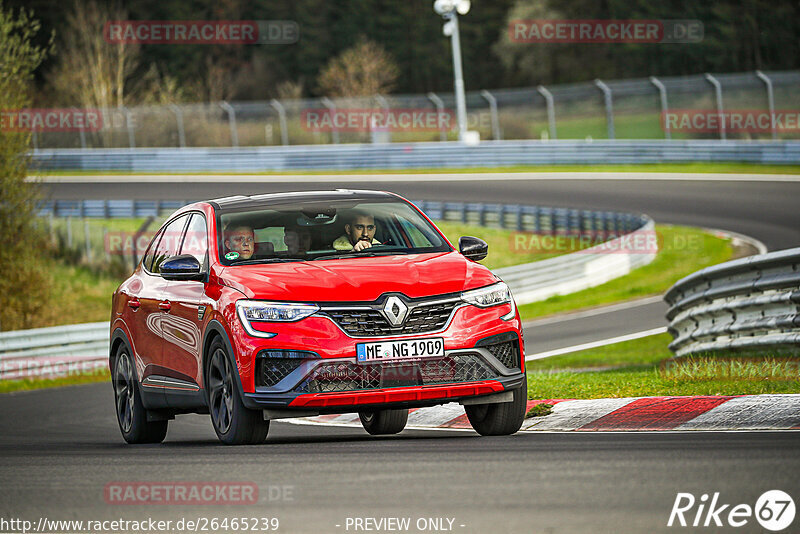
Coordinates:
<point>164,305</point>
<point>134,303</point>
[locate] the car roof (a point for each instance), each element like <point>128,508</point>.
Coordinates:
<point>271,199</point>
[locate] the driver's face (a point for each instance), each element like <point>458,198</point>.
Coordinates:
<point>363,228</point>
<point>241,240</point>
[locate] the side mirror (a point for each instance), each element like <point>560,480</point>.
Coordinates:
<point>473,248</point>
<point>183,267</point>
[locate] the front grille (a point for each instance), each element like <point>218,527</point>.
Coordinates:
<point>507,353</point>
<point>270,371</point>
<point>348,376</point>
<point>365,323</point>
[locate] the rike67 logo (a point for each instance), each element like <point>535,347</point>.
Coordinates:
<point>774,510</point>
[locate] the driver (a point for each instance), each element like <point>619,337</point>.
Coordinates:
<point>240,239</point>
<point>359,233</point>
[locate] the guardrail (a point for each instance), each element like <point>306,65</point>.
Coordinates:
<point>749,304</point>
<point>416,155</point>
<point>57,350</point>
<point>46,352</point>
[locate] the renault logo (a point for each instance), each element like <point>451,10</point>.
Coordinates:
<point>395,311</point>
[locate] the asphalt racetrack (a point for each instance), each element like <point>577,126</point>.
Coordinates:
<point>61,447</point>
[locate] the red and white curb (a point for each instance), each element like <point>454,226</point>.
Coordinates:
<point>720,413</point>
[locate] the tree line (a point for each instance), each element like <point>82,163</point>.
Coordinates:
<point>740,35</point>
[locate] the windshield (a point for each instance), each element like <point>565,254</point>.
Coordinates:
<point>311,231</point>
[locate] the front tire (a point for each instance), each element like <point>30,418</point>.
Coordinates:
<point>233,422</point>
<point>500,419</point>
<point>131,413</point>
<point>383,422</point>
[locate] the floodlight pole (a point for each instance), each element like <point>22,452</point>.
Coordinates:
<point>461,104</point>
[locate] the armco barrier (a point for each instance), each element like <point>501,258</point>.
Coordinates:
<point>53,351</point>
<point>569,273</point>
<point>750,304</point>
<point>58,350</point>
<point>417,155</point>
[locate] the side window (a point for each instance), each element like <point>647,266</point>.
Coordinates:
<point>169,244</point>
<point>196,240</point>
<point>147,261</point>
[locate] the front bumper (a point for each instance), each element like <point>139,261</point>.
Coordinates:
<point>400,397</point>
<point>311,366</point>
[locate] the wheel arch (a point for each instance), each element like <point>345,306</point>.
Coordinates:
<point>118,337</point>
<point>216,329</point>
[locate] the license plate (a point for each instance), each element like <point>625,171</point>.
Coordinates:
<point>400,350</point>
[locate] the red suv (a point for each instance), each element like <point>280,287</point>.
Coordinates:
<point>253,308</point>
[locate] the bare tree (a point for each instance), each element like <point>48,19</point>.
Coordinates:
<point>91,71</point>
<point>366,69</point>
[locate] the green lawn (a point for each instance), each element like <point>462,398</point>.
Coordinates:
<point>78,295</point>
<point>638,372</point>
<point>501,250</point>
<point>682,251</point>
<point>7,386</point>
<point>732,168</point>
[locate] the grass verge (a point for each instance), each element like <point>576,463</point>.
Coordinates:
<point>735,168</point>
<point>637,371</point>
<point>8,386</point>
<point>501,251</point>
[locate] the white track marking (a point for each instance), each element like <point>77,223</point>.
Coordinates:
<point>562,317</point>
<point>595,344</point>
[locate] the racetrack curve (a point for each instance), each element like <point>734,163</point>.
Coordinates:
<point>60,447</point>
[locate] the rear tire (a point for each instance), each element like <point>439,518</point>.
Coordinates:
<point>383,422</point>
<point>499,419</point>
<point>131,413</point>
<point>233,422</point>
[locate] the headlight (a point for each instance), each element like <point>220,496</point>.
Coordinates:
<point>258,311</point>
<point>486,297</point>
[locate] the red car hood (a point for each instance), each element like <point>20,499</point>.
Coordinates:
<point>362,279</point>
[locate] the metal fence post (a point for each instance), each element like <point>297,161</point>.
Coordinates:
<point>720,109</point>
<point>106,252</point>
<point>609,106</point>
<point>81,132</point>
<point>328,103</point>
<point>231,122</point>
<point>52,228</point>
<point>387,135</point>
<point>433,97</point>
<point>662,92</point>
<point>493,109</point>
<point>770,102</point>
<point>69,232</point>
<point>179,120</point>
<point>87,241</point>
<point>129,125</point>
<point>35,141</point>
<point>551,110</point>
<point>282,118</point>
